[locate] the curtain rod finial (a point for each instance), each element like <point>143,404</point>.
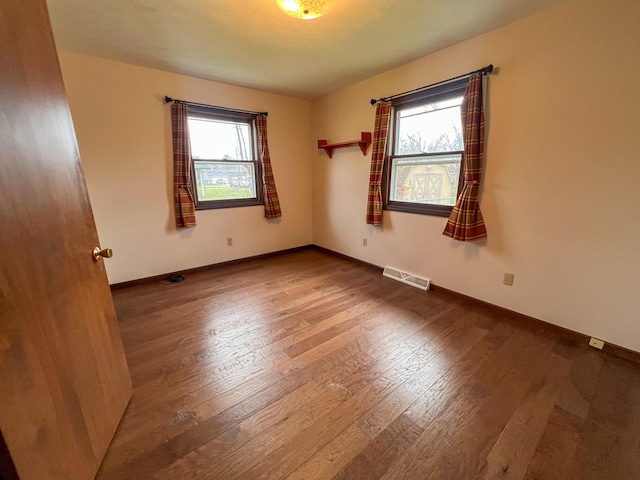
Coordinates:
<point>489,68</point>
<point>168,99</point>
<point>373,101</point>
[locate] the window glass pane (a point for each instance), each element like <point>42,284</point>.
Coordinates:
<point>225,180</point>
<point>220,140</point>
<point>431,128</point>
<point>427,180</point>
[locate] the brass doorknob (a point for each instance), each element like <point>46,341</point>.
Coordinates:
<point>105,252</point>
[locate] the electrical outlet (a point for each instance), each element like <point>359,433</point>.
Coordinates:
<point>364,242</point>
<point>508,279</point>
<point>229,242</point>
<point>595,343</point>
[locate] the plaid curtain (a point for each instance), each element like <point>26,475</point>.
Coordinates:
<point>271,202</point>
<point>466,223</point>
<point>374,197</point>
<point>183,198</point>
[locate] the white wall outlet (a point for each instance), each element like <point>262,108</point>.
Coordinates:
<point>596,343</point>
<point>508,279</point>
<point>229,242</point>
<point>364,242</point>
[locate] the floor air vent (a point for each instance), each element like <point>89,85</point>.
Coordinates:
<point>408,278</point>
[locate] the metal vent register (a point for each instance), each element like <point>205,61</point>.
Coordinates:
<point>408,278</point>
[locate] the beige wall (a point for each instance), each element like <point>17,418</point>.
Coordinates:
<point>561,194</point>
<point>124,134</point>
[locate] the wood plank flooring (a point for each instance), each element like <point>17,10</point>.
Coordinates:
<point>308,366</point>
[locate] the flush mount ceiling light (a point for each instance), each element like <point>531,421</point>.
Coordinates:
<point>305,9</point>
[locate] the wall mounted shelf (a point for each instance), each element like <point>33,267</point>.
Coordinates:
<point>363,143</point>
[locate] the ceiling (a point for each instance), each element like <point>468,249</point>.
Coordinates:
<point>253,44</point>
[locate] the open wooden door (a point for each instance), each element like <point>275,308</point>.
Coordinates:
<point>64,381</point>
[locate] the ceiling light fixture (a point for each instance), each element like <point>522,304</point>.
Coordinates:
<point>305,9</point>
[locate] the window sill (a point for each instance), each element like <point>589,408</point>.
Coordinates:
<point>419,208</point>
<point>216,204</point>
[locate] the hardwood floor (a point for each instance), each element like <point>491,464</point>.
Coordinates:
<point>308,366</point>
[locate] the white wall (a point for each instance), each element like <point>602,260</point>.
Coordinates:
<point>561,192</point>
<point>124,135</point>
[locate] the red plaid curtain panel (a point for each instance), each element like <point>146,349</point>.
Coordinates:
<point>271,201</point>
<point>380,131</point>
<point>465,222</point>
<point>183,198</point>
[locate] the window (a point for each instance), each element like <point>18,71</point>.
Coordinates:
<point>423,169</point>
<point>226,168</point>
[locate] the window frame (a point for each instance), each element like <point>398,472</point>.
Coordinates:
<point>440,92</point>
<point>213,113</point>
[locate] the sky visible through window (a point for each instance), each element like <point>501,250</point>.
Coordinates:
<point>217,140</point>
<point>429,128</point>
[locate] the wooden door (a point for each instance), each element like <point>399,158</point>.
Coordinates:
<point>64,381</point>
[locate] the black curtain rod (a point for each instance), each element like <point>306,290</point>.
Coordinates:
<point>175,100</point>
<point>484,70</point>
